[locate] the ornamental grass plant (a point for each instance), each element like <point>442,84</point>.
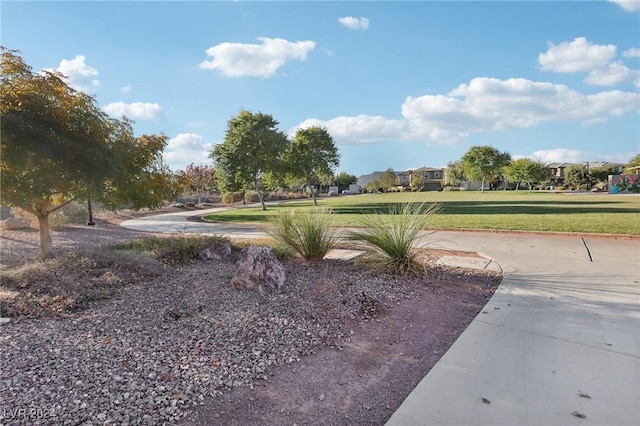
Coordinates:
<point>392,235</point>
<point>307,232</point>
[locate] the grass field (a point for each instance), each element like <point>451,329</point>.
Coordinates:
<point>496,210</point>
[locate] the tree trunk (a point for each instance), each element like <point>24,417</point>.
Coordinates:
<point>264,207</point>
<point>313,195</point>
<point>46,243</point>
<point>482,187</point>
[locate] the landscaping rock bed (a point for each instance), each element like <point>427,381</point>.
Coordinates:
<point>188,347</point>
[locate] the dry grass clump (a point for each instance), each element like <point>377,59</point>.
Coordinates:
<point>392,236</point>
<point>175,250</point>
<point>307,232</point>
<point>70,282</point>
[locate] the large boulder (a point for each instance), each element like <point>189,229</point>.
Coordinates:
<point>258,270</point>
<point>215,251</point>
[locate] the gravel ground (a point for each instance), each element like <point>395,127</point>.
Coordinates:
<point>158,350</point>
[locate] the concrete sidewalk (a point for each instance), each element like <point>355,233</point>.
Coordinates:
<point>558,343</point>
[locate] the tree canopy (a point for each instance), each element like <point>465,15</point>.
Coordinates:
<point>484,163</point>
<point>310,156</point>
<point>634,162</point>
<point>57,145</point>
<point>388,179</point>
<point>601,174</point>
<point>576,176</point>
<point>200,179</point>
<point>253,148</point>
<point>344,179</point>
<point>454,173</point>
<point>526,170</point>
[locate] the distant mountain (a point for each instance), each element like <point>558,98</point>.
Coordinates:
<point>365,179</point>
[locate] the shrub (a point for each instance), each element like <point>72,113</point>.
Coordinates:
<point>70,282</point>
<point>253,197</point>
<point>392,235</point>
<point>231,197</point>
<point>307,232</point>
<point>180,250</point>
<point>73,213</point>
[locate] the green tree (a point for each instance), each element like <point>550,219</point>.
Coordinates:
<point>601,174</point>
<point>634,162</point>
<point>373,186</point>
<point>200,179</point>
<point>484,163</point>
<point>388,180</point>
<point>526,170</point>
<point>416,181</point>
<point>576,176</point>
<point>326,179</point>
<point>57,145</point>
<point>344,179</point>
<point>311,155</point>
<point>252,150</point>
<point>454,174</point>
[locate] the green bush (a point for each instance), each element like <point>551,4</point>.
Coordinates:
<point>252,197</point>
<point>307,232</point>
<point>231,197</point>
<point>392,235</point>
<point>73,213</point>
<point>180,250</point>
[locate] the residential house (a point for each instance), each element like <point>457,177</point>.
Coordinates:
<point>635,170</point>
<point>557,172</point>
<point>430,178</point>
<point>404,178</point>
<point>603,164</point>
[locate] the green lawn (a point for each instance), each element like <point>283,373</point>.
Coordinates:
<point>500,210</point>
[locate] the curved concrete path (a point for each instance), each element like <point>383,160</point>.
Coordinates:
<point>558,343</point>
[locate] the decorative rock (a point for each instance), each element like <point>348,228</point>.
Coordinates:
<point>14,223</point>
<point>258,270</point>
<point>216,251</point>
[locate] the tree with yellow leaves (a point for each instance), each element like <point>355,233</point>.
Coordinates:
<point>57,145</point>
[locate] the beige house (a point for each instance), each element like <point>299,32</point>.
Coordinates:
<point>430,178</point>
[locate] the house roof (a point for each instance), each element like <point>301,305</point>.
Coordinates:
<point>428,169</point>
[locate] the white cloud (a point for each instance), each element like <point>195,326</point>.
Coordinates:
<point>126,89</point>
<point>80,75</point>
<point>484,104</point>
<point>354,23</point>
<point>564,155</point>
<point>628,5</point>
<point>186,148</point>
<point>360,129</point>
<point>580,55</point>
<point>634,52</point>
<point>560,155</point>
<point>255,60</point>
<point>143,110</point>
<point>613,74</point>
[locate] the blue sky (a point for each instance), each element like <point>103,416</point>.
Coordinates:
<point>397,84</point>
